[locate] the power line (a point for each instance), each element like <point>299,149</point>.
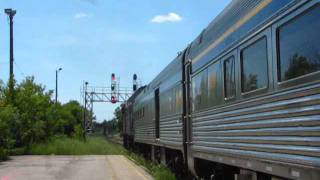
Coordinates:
<point>19,69</point>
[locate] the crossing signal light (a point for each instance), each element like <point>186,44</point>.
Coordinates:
<point>113,100</point>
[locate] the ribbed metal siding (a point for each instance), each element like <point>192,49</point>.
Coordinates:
<point>237,21</point>
<point>283,128</point>
<point>234,12</point>
<point>126,124</point>
<point>144,131</point>
<point>230,16</point>
<point>144,126</point>
<point>171,130</point>
<point>127,120</point>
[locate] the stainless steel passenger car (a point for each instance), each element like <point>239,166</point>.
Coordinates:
<point>128,119</point>
<point>249,87</point>
<point>158,111</point>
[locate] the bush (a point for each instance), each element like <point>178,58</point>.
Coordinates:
<point>158,171</point>
<point>6,142</point>
<point>29,116</point>
<point>79,133</point>
<point>3,154</point>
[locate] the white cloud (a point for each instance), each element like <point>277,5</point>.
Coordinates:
<point>171,17</point>
<point>81,15</point>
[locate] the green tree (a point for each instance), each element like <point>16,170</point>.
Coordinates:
<point>32,103</point>
<point>33,117</point>
<point>71,116</point>
<point>7,113</point>
<point>118,119</point>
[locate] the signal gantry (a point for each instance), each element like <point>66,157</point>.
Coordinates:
<point>113,94</point>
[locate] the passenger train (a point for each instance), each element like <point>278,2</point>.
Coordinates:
<point>242,101</point>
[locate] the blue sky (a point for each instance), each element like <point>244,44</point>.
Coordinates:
<point>90,39</point>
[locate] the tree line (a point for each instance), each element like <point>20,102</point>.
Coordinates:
<point>111,127</point>
<point>29,115</point>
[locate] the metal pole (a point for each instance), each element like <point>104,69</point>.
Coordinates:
<point>11,52</point>
<point>11,13</point>
<point>85,108</point>
<point>91,114</point>
<point>56,86</point>
<point>57,72</point>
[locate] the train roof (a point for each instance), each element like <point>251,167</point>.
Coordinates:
<point>234,23</point>
<point>237,20</point>
<point>135,94</point>
<point>170,75</point>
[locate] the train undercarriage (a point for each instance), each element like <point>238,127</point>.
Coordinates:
<point>205,169</point>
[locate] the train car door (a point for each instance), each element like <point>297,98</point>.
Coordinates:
<point>157,112</point>
<point>187,116</point>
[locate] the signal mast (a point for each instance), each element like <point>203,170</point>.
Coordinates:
<point>114,98</point>
<point>113,94</point>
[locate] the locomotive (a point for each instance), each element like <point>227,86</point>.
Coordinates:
<point>242,101</point>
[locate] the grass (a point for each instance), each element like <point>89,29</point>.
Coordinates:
<point>97,146</point>
<point>3,154</point>
<point>159,171</point>
<point>68,146</point>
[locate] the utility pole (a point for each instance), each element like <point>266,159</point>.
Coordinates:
<point>11,13</point>
<point>57,71</point>
<point>85,107</point>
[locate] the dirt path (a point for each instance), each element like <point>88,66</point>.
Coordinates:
<point>71,167</point>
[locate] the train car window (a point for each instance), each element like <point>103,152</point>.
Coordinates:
<point>172,101</point>
<point>254,66</point>
<point>143,112</point>
<point>162,103</point>
<point>199,91</point>
<point>162,100</point>
<point>214,84</point>
<point>146,111</point>
<point>178,94</point>
<point>168,103</point>
<point>299,46</point>
<point>229,78</point>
